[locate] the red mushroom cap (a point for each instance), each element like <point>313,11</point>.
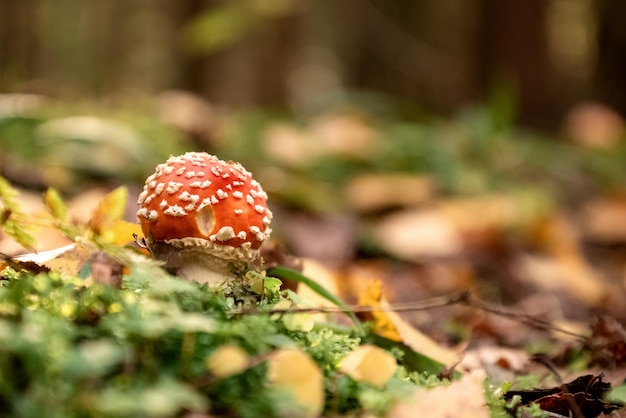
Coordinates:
<point>198,200</point>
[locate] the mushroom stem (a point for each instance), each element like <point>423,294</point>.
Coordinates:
<point>194,264</point>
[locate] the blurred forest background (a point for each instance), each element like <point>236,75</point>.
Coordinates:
<point>476,143</point>
<point>305,55</point>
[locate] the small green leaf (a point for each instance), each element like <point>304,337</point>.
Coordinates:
<point>506,386</point>
<point>260,283</point>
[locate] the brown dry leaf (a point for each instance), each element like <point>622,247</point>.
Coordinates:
<point>375,192</point>
<point>604,220</point>
<point>334,134</point>
<point>608,342</point>
<point>500,363</point>
<point>462,398</point>
<point>583,396</point>
<point>570,275</point>
<point>419,233</point>
<point>479,219</point>
<point>345,134</point>
<point>290,145</point>
<point>369,364</point>
<point>294,372</point>
<point>564,265</point>
<point>594,125</point>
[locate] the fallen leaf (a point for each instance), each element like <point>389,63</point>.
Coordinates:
<point>324,276</point>
<point>345,134</point>
<point>66,260</point>
<point>389,324</point>
<point>419,341</point>
<point>294,372</point>
<point>302,321</point>
<point>419,233</point>
<point>583,396</point>
<point>227,360</point>
<point>572,275</point>
<point>604,220</point>
<point>372,297</point>
<point>500,363</point>
<point>371,192</point>
<point>369,364</point>
<point>594,125</point>
<point>607,342</point>
<point>461,398</point>
<point>122,232</point>
<point>290,145</point>
<point>109,212</point>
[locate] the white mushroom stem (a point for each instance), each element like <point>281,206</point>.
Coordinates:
<point>195,263</point>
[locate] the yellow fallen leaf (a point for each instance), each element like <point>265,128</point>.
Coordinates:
<point>369,364</point>
<point>382,324</point>
<point>390,325</point>
<point>419,341</point>
<point>294,372</point>
<point>108,213</point>
<point>227,360</point>
<point>122,232</point>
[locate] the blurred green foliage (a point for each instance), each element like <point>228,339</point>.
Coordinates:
<point>478,151</point>
<point>140,351</point>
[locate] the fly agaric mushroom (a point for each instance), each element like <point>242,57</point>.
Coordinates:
<point>200,214</point>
